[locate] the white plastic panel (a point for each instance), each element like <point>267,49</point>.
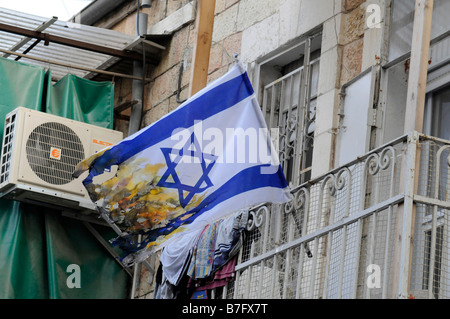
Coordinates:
<point>353,136</point>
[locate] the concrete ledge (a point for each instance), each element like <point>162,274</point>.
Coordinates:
<point>174,21</point>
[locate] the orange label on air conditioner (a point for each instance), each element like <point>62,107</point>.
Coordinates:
<point>55,153</point>
<point>95,141</point>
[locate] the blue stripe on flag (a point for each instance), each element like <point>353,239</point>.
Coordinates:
<point>246,180</point>
<point>206,105</point>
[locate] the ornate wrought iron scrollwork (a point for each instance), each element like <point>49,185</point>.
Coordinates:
<point>372,164</point>
<point>291,127</point>
<point>289,207</point>
<point>385,160</point>
<point>257,217</point>
<point>382,160</point>
<point>329,183</point>
<point>300,197</point>
<point>340,180</point>
<point>300,202</point>
<point>336,182</point>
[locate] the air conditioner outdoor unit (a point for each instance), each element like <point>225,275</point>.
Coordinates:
<point>39,154</point>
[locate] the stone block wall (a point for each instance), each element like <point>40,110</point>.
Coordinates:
<point>254,29</point>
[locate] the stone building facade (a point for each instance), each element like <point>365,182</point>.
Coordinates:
<point>254,30</point>
<point>345,62</point>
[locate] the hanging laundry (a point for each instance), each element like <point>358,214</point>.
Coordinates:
<point>203,255</point>
<point>227,271</point>
<point>165,290</point>
<point>205,258</point>
<point>229,238</point>
<point>200,295</point>
<point>176,256</point>
<point>220,277</point>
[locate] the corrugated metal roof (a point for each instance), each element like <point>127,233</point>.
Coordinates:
<point>63,53</point>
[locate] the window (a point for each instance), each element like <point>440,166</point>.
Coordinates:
<point>437,113</point>
<point>401,25</point>
<point>436,123</point>
<point>288,94</point>
<point>395,73</point>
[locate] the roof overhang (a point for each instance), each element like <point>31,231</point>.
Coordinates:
<point>66,47</point>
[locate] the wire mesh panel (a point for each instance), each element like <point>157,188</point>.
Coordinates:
<point>346,234</point>
<point>334,240</point>
<point>430,260</point>
<point>288,104</point>
<point>429,274</point>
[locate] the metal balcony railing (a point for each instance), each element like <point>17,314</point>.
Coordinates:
<point>374,228</point>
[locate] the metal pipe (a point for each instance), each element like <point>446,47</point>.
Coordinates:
<point>138,70</point>
<point>137,95</point>
<point>136,275</point>
<point>146,3</point>
<point>141,24</point>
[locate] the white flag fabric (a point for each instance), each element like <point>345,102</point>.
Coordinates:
<point>210,157</point>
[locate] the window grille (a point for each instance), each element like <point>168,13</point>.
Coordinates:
<point>289,104</point>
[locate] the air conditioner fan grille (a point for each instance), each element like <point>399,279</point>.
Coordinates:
<point>53,151</point>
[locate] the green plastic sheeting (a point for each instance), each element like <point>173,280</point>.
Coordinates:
<point>23,271</point>
<point>70,242</point>
<point>82,100</point>
<point>23,267</point>
<point>37,245</point>
<point>20,85</point>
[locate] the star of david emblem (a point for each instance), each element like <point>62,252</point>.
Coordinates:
<point>173,157</point>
